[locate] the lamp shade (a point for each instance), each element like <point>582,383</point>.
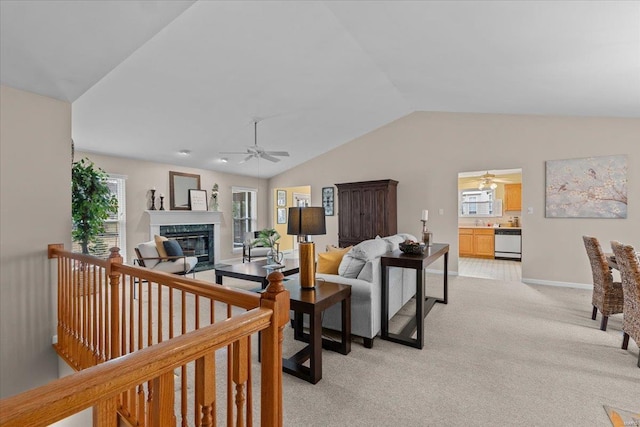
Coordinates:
<point>309,221</point>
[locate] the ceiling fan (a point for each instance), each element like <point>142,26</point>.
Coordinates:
<point>254,151</point>
<point>489,180</point>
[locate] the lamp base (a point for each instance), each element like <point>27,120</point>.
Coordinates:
<point>307,251</point>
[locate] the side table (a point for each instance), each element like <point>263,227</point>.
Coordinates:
<point>313,303</point>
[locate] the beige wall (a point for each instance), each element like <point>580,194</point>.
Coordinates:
<point>426,151</point>
<point>142,176</point>
<point>35,210</point>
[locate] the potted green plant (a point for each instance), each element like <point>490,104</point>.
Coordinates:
<point>269,237</point>
<point>91,203</point>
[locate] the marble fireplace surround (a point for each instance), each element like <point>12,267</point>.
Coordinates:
<point>158,218</point>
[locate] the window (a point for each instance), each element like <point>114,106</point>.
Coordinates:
<point>245,213</point>
<point>115,227</point>
<point>479,203</point>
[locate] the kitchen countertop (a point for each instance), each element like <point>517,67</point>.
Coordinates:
<point>484,226</point>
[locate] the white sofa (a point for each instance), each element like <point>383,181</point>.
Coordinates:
<point>360,268</point>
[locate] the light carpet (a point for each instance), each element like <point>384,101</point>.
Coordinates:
<point>499,354</point>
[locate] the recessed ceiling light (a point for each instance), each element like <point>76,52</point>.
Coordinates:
<point>224,160</point>
<point>184,152</point>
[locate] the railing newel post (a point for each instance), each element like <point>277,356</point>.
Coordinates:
<point>276,298</point>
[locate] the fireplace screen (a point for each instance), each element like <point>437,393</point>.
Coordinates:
<point>196,239</point>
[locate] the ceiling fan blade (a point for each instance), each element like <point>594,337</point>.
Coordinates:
<point>246,158</point>
<point>268,157</point>
<point>277,153</point>
<point>233,152</point>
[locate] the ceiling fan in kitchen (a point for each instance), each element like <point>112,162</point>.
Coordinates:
<point>256,152</point>
<point>489,180</point>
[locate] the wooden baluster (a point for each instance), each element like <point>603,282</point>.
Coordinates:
<point>276,298</point>
<point>94,322</point>
<point>206,388</point>
<point>114,286</point>
<point>240,375</point>
<point>163,401</point>
<point>170,313</point>
<point>141,410</point>
<point>249,386</point>
<point>183,369</point>
<point>159,310</point>
<point>229,377</point>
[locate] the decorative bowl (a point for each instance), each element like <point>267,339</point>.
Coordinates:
<point>412,248</point>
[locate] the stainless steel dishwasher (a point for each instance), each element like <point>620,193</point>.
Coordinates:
<point>508,244</point>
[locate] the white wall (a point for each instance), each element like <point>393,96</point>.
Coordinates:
<point>425,152</point>
<point>35,210</point>
<point>142,176</point>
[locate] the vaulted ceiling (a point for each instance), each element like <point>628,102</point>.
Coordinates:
<point>148,79</point>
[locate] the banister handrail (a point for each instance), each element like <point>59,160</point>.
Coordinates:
<point>69,395</point>
<point>107,309</point>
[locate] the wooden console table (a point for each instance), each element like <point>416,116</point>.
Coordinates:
<point>423,303</point>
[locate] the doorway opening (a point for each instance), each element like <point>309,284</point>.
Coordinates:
<point>490,224</point>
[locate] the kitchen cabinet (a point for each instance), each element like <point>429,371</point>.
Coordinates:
<point>465,242</point>
<point>476,242</point>
<point>513,197</point>
<point>365,210</point>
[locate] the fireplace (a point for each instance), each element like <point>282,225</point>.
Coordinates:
<point>196,239</point>
<point>197,231</point>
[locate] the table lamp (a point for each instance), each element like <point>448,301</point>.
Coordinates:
<point>305,222</point>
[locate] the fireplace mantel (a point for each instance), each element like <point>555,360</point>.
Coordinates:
<point>158,218</point>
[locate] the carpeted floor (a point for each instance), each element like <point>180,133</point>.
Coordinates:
<point>499,354</point>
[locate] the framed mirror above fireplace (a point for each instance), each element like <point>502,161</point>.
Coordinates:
<point>179,185</point>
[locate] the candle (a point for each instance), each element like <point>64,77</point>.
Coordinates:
<point>425,215</point>
<point>161,195</point>
<point>153,188</point>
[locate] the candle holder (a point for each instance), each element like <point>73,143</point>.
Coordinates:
<point>161,203</point>
<point>427,236</point>
<point>153,200</point>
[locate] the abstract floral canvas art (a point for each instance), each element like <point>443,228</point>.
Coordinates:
<point>594,187</point>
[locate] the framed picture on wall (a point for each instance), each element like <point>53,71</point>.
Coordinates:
<point>198,200</point>
<point>282,216</point>
<point>327,200</point>
<point>282,197</point>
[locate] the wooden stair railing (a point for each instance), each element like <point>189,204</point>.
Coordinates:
<point>101,385</point>
<point>107,309</point>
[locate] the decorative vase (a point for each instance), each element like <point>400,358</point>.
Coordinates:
<point>274,256</point>
<point>213,206</point>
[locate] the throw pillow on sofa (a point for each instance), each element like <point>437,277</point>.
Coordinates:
<point>369,249</point>
<point>328,262</point>
<point>393,242</point>
<point>350,266</point>
<point>173,248</point>
<point>160,246</point>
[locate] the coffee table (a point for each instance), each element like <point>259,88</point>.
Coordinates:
<point>255,271</point>
<point>313,303</point>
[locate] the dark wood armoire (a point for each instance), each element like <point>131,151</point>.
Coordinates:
<point>366,209</point>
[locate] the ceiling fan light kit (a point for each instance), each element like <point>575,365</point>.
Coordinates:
<point>258,152</point>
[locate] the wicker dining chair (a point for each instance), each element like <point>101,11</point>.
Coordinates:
<point>629,266</point>
<point>607,294</point>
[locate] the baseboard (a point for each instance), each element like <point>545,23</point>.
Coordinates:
<point>559,284</point>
